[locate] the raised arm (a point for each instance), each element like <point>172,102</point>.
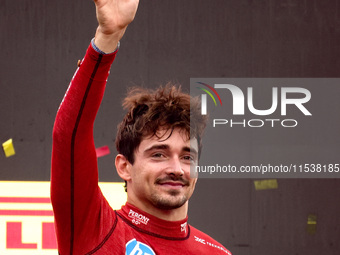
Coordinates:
<point>113,18</point>
<point>76,198</point>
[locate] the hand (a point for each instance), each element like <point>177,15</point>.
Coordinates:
<point>113,17</point>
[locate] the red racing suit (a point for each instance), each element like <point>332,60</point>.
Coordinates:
<point>85,223</point>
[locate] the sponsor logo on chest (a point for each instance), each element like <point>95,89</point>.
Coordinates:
<point>138,218</point>
<point>134,247</point>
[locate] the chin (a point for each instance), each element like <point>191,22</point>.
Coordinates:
<point>171,203</point>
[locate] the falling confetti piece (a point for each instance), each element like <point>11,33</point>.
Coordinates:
<point>102,151</point>
<point>311,224</point>
<point>8,148</point>
<point>266,184</point>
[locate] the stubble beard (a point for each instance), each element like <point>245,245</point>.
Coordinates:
<point>172,200</point>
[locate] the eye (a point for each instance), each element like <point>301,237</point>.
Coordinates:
<point>189,158</point>
<point>157,155</point>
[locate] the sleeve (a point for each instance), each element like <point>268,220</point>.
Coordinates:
<point>78,204</point>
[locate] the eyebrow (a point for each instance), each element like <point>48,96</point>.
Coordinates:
<point>167,147</point>
<point>157,147</point>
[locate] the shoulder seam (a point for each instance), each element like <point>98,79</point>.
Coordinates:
<point>106,237</point>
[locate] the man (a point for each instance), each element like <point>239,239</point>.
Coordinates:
<point>157,144</point>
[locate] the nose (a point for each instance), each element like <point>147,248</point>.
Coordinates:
<point>175,167</point>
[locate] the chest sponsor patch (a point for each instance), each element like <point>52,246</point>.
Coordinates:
<point>138,218</point>
<point>134,247</point>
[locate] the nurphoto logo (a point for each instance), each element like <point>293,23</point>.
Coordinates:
<point>268,128</point>
<point>294,96</point>
<point>204,97</point>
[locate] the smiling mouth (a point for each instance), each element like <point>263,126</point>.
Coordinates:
<point>172,184</point>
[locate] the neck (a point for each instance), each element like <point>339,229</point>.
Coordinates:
<point>169,215</point>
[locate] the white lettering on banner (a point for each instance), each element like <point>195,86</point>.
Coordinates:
<point>138,218</point>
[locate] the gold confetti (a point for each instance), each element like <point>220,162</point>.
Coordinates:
<point>266,184</point>
<point>8,148</point>
<point>311,224</point>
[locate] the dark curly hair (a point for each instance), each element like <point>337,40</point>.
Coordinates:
<point>150,110</point>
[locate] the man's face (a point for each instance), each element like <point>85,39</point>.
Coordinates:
<point>160,175</point>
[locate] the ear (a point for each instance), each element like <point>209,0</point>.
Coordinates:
<point>123,167</point>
